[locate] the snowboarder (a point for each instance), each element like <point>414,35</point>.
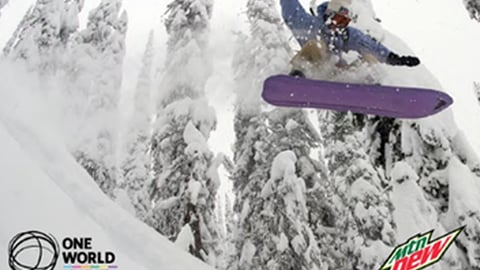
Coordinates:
<point>327,33</point>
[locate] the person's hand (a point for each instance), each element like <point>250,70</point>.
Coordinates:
<point>396,60</point>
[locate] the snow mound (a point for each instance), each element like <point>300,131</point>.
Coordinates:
<point>44,188</point>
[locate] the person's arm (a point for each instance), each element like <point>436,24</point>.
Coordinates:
<point>301,23</point>
<point>364,44</point>
<point>294,14</point>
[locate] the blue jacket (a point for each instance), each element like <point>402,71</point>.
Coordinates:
<point>306,27</point>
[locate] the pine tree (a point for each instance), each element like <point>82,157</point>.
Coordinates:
<point>463,211</point>
<point>273,227</point>
<point>3,3</point>
<point>365,228</point>
<point>473,7</point>
<point>184,189</point>
<point>424,150</point>
<point>42,35</point>
<point>96,74</point>
<point>137,164</point>
<point>185,184</point>
<point>187,24</point>
<point>436,150</point>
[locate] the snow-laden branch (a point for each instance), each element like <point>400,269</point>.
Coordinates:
<point>473,7</point>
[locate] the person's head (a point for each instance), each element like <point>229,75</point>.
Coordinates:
<point>338,14</point>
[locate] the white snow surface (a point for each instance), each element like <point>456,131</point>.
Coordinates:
<point>194,188</point>
<point>463,199</point>
<point>283,165</point>
<point>248,251</point>
<point>282,242</point>
<point>185,238</point>
<point>284,180</point>
<point>166,204</point>
<point>403,172</point>
<point>413,214</point>
<point>44,188</point>
<point>464,188</point>
<point>196,143</point>
<point>122,199</point>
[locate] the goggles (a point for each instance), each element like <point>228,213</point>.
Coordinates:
<point>340,18</point>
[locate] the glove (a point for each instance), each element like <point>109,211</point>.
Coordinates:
<point>396,60</point>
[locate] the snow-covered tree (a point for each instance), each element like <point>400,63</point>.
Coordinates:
<point>42,35</point>
<point>424,152</point>
<point>463,211</point>
<point>273,228</point>
<point>435,150</point>
<point>99,50</point>
<point>137,163</point>
<point>377,163</point>
<point>185,188</point>
<point>273,225</point>
<point>2,4</point>
<point>473,7</point>
<point>388,152</point>
<point>96,76</point>
<point>185,184</point>
<point>187,24</point>
<point>365,227</point>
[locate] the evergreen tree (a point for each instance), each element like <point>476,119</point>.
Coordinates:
<point>2,4</point>
<point>424,151</point>
<point>273,226</point>
<point>184,189</point>
<point>42,35</point>
<point>187,24</point>
<point>137,164</point>
<point>271,204</point>
<point>473,7</point>
<point>436,150</point>
<point>229,216</point>
<point>96,74</point>
<point>365,227</point>
<point>185,184</point>
<point>463,211</point>
<point>391,157</point>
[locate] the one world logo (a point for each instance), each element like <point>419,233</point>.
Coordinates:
<point>32,250</point>
<point>35,250</point>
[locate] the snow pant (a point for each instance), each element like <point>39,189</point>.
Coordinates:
<point>315,52</point>
<point>312,54</point>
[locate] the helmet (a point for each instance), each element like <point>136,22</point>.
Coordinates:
<point>337,13</point>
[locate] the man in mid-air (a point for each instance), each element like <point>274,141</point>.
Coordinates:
<point>327,34</point>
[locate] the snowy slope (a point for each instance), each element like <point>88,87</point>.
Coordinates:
<point>43,188</point>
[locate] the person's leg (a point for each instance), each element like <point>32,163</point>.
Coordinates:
<point>311,55</point>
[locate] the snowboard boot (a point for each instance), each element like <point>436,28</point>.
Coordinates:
<point>297,73</point>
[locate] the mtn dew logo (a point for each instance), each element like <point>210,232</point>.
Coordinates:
<point>419,252</point>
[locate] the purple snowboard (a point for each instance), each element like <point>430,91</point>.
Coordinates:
<point>397,102</point>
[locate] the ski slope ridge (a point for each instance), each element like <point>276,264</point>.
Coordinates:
<point>43,188</point>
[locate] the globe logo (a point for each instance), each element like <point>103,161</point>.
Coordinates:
<point>32,250</point>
